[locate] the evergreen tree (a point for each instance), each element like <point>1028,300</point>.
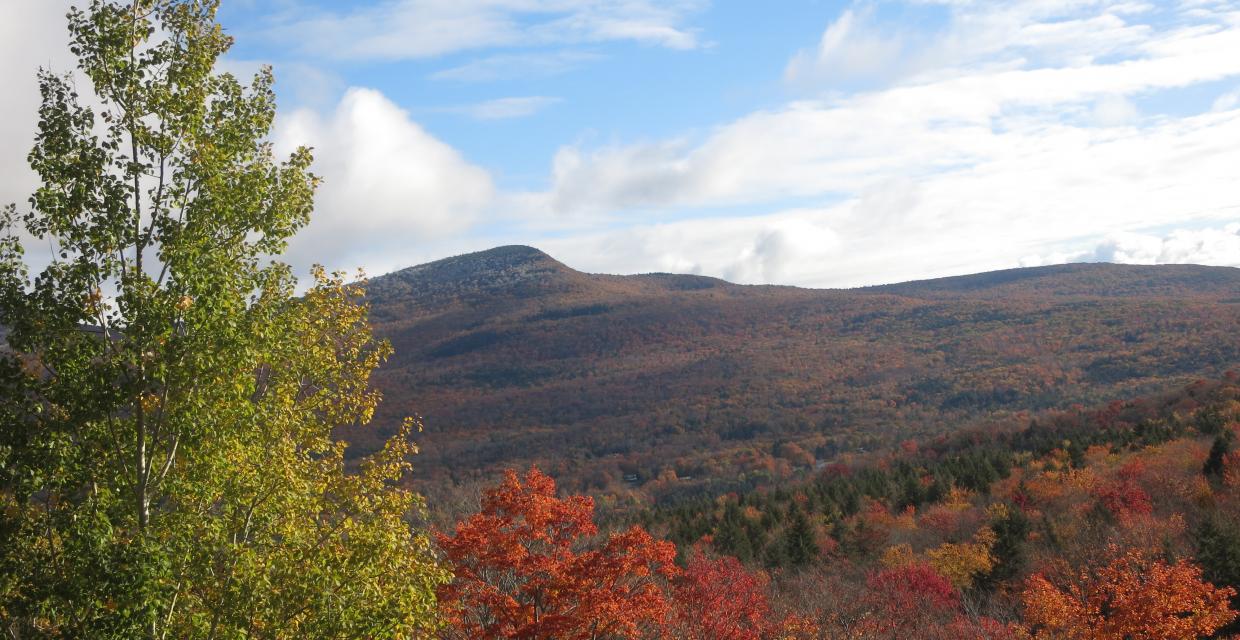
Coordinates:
<point>732,536</point>
<point>1076,454</point>
<point>1210,421</point>
<point>799,546</point>
<point>1216,462</point>
<point>167,468</point>
<point>1218,552</point>
<point>1011,532</point>
<point>911,491</point>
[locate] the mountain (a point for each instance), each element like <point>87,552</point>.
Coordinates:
<point>610,382</point>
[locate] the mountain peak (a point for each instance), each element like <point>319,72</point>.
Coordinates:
<point>514,259</point>
<point>516,267</point>
<point>515,253</point>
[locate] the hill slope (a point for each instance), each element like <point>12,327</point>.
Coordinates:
<point>513,357</point>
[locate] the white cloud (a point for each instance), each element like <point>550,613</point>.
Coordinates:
<point>508,108</point>
<point>516,65</point>
<point>404,29</point>
<point>1114,111</point>
<point>1212,246</point>
<point>977,36</point>
<point>32,35</point>
<point>388,184</point>
<point>1227,101</point>
<point>789,247</point>
<point>851,47</point>
<point>1022,142</point>
<point>1215,246</point>
<point>1011,137</point>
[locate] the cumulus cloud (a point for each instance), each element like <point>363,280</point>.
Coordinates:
<point>832,246</point>
<point>405,29</point>
<point>1211,246</point>
<point>783,250</point>
<point>1217,246</point>
<point>388,184</point>
<point>788,247</point>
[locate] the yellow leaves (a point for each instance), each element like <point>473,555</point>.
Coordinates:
<point>985,537</point>
<point>961,562</point>
<point>897,556</point>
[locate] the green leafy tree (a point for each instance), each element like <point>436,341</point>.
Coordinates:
<point>167,468</point>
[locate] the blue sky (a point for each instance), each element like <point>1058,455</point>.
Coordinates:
<point>602,90</point>
<point>800,142</point>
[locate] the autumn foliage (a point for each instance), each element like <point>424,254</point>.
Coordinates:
<point>1065,529</point>
<point>910,593</point>
<point>719,599</point>
<point>1131,598</point>
<point>1124,498</point>
<point>528,566</point>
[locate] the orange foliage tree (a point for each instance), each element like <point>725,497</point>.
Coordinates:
<point>525,568</point>
<point>1131,598</point>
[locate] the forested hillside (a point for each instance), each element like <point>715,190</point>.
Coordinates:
<point>668,382</point>
<point>1114,522</point>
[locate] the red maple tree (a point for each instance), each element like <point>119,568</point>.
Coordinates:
<point>525,568</point>
<point>718,599</point>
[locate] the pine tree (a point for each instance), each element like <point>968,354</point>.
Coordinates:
<point>1216,462</point>
<point>1218,551</point>
<point>1011,530</point>
<point>799,546</point>
<point>731,536</point>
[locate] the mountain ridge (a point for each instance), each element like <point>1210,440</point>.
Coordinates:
<point>513,358</point>
<point>528,262</point>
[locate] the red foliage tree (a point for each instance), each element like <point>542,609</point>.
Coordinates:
<point>914,588</point>
<point>718,599</point>
<point>1124,498</point>
<point>524,569</point>
<point>915,601</point>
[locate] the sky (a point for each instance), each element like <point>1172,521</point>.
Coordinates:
<point>802,142</point>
